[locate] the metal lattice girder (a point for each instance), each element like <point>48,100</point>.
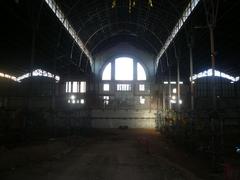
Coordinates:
<point>187,12</point>
<point>55,8</point>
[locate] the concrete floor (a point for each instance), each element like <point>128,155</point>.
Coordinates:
<point>116,155</point>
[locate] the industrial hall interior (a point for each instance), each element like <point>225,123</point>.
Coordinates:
<point>120,90</point>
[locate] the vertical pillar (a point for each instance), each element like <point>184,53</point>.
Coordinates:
<point>169,88</point>
<point>113,84</point>
<point>178,85</point>
<point>211,29</point>
<point>32,62</point>
<point>5,102</point>
<point>113,70</point>
<point>54,87</point>
<point>135,85</point>
<point>134,70</point>
<point>211,11</point>
<point>191,74</point>
<point>164,106</point>
<point>163,99</point>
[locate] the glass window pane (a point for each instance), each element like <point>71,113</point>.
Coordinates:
<point>107,72</point>
<point>106,87</point>
<point>142,100</point>
<point>82,101</point>
<point>141,87</point>
<point>124,87</point>
<point>83,87</point>
<point>69,86</point>
<point>106,100</point>
<point>75,87</point>
<point>124,68</point>
<point>66,89</point>
<point>141,75</point>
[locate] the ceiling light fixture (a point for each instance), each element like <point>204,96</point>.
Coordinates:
<point>132,4</point>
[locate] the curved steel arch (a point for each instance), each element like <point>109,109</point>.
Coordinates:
<point>186,13</point>
<point>141,9</point>
<point>120,6</point>
<point>110,24</point>
<point>114,35</point>
<point>108,9</point>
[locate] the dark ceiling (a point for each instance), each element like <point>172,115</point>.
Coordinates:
<point>32,36</point>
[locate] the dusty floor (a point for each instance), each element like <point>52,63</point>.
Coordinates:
<point>116,155</point>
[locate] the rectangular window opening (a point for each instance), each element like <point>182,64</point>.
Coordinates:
<point>106,100</point>
<point>141,87</point>
<point>106,87</point>
<point>83,87</point>
<point>68,87</point>
<point>142,100</point>
<point>124,87</point>
<point>82,101</point>
<point>75,87</point>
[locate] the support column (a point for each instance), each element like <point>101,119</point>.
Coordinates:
<point>135,84</point>
<point>169,88</point>
<point>191,74</point>
<point>211,11</point>
<point>163,99</point>
<point>113,70</point>
<point>211,29</point>
<point>178,85</point>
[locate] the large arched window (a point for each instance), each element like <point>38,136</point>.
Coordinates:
<point>128,76</point>
<point>124,70</point>
<point>141,75</point>
<point>107,72</point>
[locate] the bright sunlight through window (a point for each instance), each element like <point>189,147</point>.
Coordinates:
<point>141,75</point>
<point>124,69</point>
<point>107,72</point>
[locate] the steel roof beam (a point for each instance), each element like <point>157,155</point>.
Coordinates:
<point>62,18</point>
<point>187,12</point>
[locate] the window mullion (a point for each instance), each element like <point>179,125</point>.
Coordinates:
<point>134,70</point>
<point>113,70</point>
